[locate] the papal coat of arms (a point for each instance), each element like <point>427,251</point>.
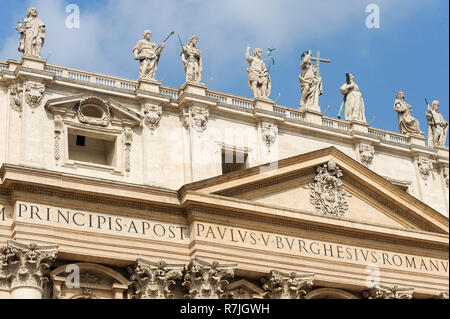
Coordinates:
<point>327,193</point>
<point>34,93</point>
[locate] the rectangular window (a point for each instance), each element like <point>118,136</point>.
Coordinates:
<point>90,149</point>
<point>233,160</point>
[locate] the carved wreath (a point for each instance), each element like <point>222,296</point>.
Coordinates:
<point>98,105</point>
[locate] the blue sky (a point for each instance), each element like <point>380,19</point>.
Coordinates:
<point>410,50</point>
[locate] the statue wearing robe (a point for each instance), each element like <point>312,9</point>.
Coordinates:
<point>310,82</point>
<point>32,34</point>
<point>192,60</point>
<point>148,55</point>
<point>354,103</point>
<point>437,126</point>
<point>406,122</point>
<point>258,75</point>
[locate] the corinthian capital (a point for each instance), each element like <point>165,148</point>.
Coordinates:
<point>205,280</point>
<point>154,280</point>
<point>26,264</point>
<point>281,285</point>
<point>382,292</point>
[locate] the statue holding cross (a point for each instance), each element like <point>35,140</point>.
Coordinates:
<point>311,81</point>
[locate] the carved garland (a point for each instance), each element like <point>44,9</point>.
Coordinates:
<point>128,142</point>
<point>58,132</point>
<point>98,105</point>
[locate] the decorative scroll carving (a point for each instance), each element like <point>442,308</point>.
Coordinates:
<point>366,153</point>
<point>195,117</point>
<point>425,167</point>
<point>25,265</point>
<point>58,132</point>
<point>152,116</point>
<point>154,280</point>
<point>16,94</point>
<point>128,142</point>
<point>269,134</point>
<point>287,286</point>
<point>94,111</point>
<point>383,292</point>
<point>327,193</point>
<point>445,175</point>
<point>205,280</point>
<point>34,93</point>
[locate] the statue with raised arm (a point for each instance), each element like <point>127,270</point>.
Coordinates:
<point>192,59</point>
<point>32,34</point>
<point>258,76</point>
<point>148,55</point>
<point>406,122</point>
<point>437,126</point>
<point>354,103</point>
<point>310,82</point>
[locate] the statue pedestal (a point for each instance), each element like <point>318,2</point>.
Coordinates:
<point>33,62</point>
<point>263,104</point>
<point>196,88</point>
<point>442,151</point>
<point>311,114</point>
<point>149,85</point>
<point>358,126</point>
<point>416,139</point>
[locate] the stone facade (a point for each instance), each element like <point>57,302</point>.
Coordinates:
<point>119,189</point>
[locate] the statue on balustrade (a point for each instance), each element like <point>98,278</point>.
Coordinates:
<point>192,59</point>
<point>437,126</point>
<point>148,55</point>
<point>310,82</point>
<point>353,101</point>
<point>32,34</point>
<point>406,122</point>
<point>258,75</point>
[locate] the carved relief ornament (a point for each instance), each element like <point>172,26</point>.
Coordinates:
<point>195,117</point>
<point>94,111</point>
<point>152,116</point>
<point>154,280</point>
<point>326,191</point>
<point>205,280</point>
<point>34,94</point>
<point>16,97</point>
<point>366,153</point>
<point>382,292</point>
<point>269,134</point>
<point>287,286</point>
<point>425,167</point>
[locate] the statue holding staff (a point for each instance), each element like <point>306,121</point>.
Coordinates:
<point>310,82</point>
<point>192,60</point>
<point>32,34</point>
<point>437,125</point>
<point>258,76</point>
<point>148,55</point>
<point>406,122</point>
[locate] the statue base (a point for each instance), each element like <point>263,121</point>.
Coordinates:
<point>263,104</point>
<point>33,62</point>
<point>196,88</point>
<point>149,85</point>
<point>359,126</point>
<point>417,139</point>
<point>311,114</point>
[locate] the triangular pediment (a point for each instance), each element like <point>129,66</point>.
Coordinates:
<point>70,104</point>
<point>290,184</point>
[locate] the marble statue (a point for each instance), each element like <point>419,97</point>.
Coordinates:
<point>258,75</point>
<point>354,103</point>
<point>406,122</point>
<point>32,34</point>
<point>310,82</point>
<point>437,126</point>
<point>148,55</point>
<point>192,59</point>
